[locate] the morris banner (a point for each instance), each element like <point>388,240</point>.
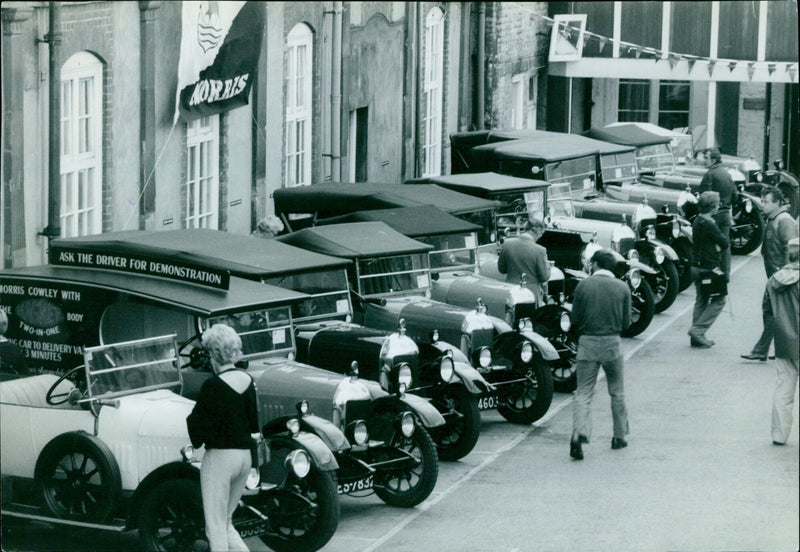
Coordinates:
<point>220,47</point>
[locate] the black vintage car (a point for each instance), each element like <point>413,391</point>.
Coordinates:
<point>566,237</point>
<point>379,439</point>
<point>391,279</point>
<point>559,158</point>
<point>657,169</point>
<point>325,335</point>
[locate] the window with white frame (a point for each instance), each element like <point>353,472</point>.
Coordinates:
<point>634,100</point>
<point>81,145</point>
<point>432,93</point>
<point>673,104</point>
<point>517,102</point>
<point>202,172</point>
<point>299,59</point>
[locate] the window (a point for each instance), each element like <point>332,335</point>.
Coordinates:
<point>81,146</point>
<point>298,106</point>
<point>432,93</point>
<point>673,104</point>
<point>517,102</point>
<point>357,145</point>
<point>202,170</point>
<point>634,100</point>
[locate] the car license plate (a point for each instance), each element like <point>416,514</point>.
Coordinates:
<point>488,402</point>
<point>363,484</point>
<point>252,528</point>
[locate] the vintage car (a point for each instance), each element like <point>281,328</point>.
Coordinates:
<point>120,294</point>
<point>391,279</point>
<point>456,279</point>
<point>105,443</point>
<point>325,335</point>
<point>662,183</point>
<point>558,158</point>
<point>522,198</point>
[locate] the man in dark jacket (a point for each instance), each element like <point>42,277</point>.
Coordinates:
<point>782,302</point>
<point>601,309</point>
<point>780,228</point>
<point>718,179</point>
<point>708,241</point>
<point>522,255</point>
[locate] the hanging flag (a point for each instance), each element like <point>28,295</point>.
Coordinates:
<point>792,72</point>
<point>220,47</point>
<point>637,53</point>
<point>673,60</point>
<point>771,68</point>
<point>711,64</point>
<point>602,43</point>
<point>751,68</point>
<point>731,66</point>
<point>691,62</point>
<point>586,37</point>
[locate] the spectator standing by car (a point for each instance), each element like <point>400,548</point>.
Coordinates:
<point>718,179</point>
<point>522,255</point>
<point>781,228</point>
<point>225,419</point>
<point>708,243</point>
<point>12,359</point>
<point>782,301</point>
<point>601,309</point>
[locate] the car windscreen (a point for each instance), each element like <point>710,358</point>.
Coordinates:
<point>657,157</point>
<point>559,201</point>
<point>395,274</point>
<point>452,251</point>
<point>130,367</point>
<point>618,167</point>
<point>580,172</point>
<point>484,219</point>
<point>261,331</point>
<point>329,290</point>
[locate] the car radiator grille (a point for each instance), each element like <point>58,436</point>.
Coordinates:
<point>625,245</point>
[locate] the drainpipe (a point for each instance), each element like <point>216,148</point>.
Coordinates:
<point>336,94</point>
<point>53,39</point>
<point>418,69</point>
<point>767,125</point>
<point>481,63</point>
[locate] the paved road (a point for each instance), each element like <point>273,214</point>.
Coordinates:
<point>700,472</point>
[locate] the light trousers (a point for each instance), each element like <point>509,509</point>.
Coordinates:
<point>222,478</point>
<point>783,398</point>
<point>594,352</point>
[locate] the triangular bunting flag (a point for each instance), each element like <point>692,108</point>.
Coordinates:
<point>691,62</point>
<point>751,68</point>
<point>585,38</point>
<point>673,61</point>
<point>731,66</point>
<point>637,52</point>
<point>792,72</point>
<point>771,68</point>
<point>602,44</point>
<point>711,64</point>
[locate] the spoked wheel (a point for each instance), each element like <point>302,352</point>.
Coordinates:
<point>667,285</point>
<point>747,231</point>
<point>642,309</point>
<point>79,478</point>
<point>303,517</point>
<point>530,401</point>
<point>457,437</point>
<point>171,518</point>
<point>565,378</point>
<point>411,485</point>
<point>684,251</point>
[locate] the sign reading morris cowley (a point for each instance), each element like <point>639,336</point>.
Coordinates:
<point>220,46</point>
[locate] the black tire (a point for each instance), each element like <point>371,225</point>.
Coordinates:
<point>643,306</point>
<point>667,285</point>
<point>532,400</point>
<point>747,231</point>
<point>684,250</point>
<point>457,437</point>
<point>565,378</point>
<point>313,528</point>
<point>171,517</point>
<point>78,478</point>
<point>409,488</point>
<point>790,192</point>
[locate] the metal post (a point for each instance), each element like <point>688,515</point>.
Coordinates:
<point>481,76</point>
<point>767,125</point>
<point>53,39</point>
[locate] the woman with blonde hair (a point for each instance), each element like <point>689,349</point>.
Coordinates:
<point>225,419</point>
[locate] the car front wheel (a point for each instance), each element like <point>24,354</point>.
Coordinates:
<point>171,518</point>
<point>667,285</point>
<point>457,437</point>
<point>409,486</point>
<point>530,401</point>
<point>747,231</point>
<point>642,309</point>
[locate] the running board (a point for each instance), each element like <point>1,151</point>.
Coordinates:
<point>27,512</point>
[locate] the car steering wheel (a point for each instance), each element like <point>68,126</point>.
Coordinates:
<point>60,398</point>
<point>199,357</point>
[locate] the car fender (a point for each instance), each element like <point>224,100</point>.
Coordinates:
<point>424,410</point>
<point>316,448</point>
<point>172,470</point>
<point>471,378</point>
<point>507,343</point>
<point>754,199</point>
<point>669,252</point>
<point>546,349</point>
<point>324,430</point>
<point>644,268</point>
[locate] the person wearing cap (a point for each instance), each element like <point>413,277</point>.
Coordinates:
<point>782,302</point>
<point>780,228</point>
<point>708,243</point>
<point>522,255</point>
<point>718,179</point>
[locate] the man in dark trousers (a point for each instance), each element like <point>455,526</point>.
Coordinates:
<point>718,179</point>
<point>522,255</point>
<point>781,228</point>
<point>601,309</point>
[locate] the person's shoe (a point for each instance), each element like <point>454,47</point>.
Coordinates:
<point>618,443</point>
<point>752,356</point>
<point>778,443</point>
<point>700,342</point>
<point>583,438</point>
<point>575,449</point>
<point>772,357</point>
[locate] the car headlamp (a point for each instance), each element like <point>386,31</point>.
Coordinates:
<point>299,462</point>
<point>290,356</point>
<point>633,255</point>
<point>407,424</point>
<point>525,325</point>
<point>302,408</point>
<point>293,425</point>
<point>187,452</point>
<point>253,479</point>
<point>484,357</point>
<point>401,388</point>
<point>446,369</point>
<point>660,255</point>
<point>635,278</point>
<point>650,233</point>
<point>759,177</point>
<point>748,206</point>
<point>383,378</point>
<point>565,322</point>
<point>676,229</point>
<point>357,432</point>
<point>404,376</point>
<point>526,352</point>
